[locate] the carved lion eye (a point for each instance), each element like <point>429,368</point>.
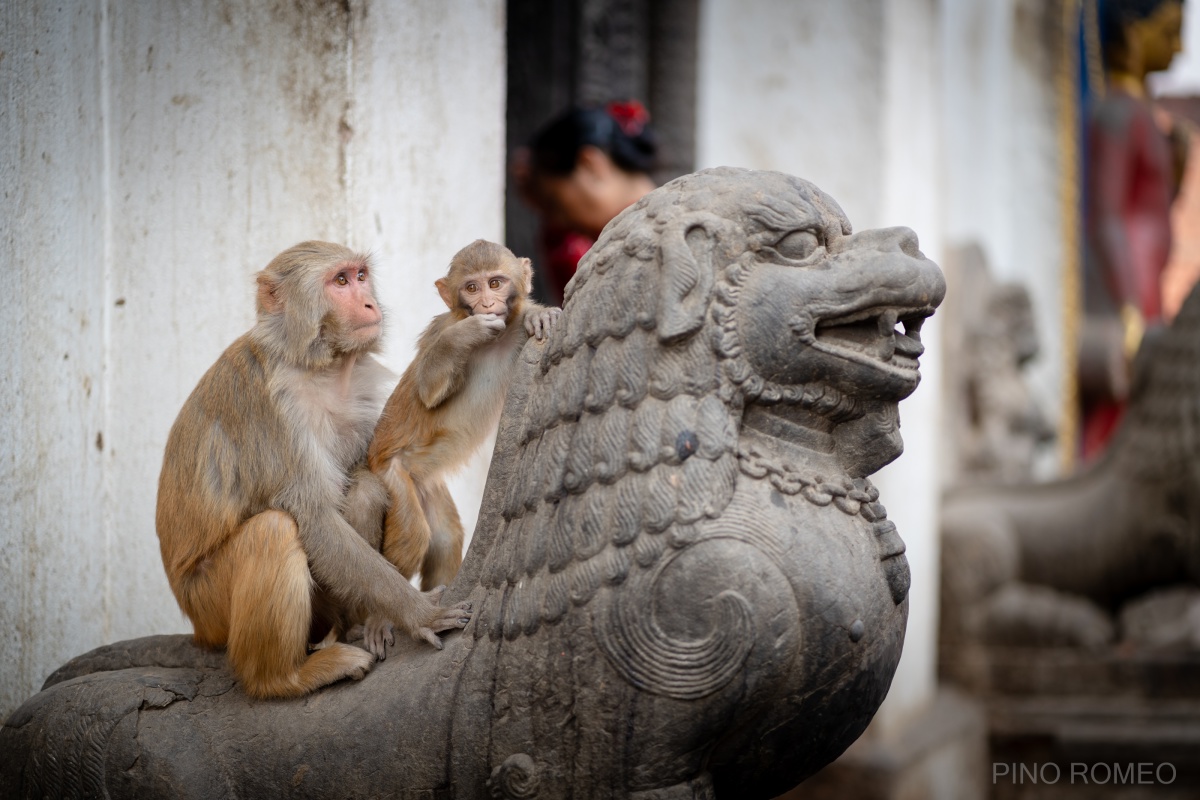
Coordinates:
<point>797,245</point>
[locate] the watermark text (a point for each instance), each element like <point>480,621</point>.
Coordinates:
<point>1079,773</point>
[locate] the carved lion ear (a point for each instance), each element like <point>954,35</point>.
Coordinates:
<point>444,290</point>
<point>527,275</point>
<point>687,281</point>
<point>268,294</point>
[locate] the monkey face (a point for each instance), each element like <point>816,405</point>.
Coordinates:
<point>488,293</point>
<point>354,320</point>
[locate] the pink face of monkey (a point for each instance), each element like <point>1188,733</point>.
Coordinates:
<point>352,303</point>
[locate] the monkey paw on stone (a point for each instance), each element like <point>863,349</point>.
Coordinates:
<point>378,632</point>
<point>539,324</point>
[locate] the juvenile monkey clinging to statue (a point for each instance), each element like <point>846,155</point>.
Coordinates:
<point>257,467</point>
<point>448,401</point>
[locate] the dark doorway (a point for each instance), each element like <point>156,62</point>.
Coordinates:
<point>588,52</point>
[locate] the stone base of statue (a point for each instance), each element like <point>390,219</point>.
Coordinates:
<point>684,584</point>
<point>1122,723</point>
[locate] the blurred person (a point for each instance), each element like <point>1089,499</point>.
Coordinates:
<point>579,171</point>
<point>1133,168</point>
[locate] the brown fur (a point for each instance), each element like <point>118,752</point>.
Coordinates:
<point>256,470</point>
<point>448,401</point>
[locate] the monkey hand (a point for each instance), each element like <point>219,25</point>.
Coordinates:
<point>378,633</point>
<point>538,324</point>
<point>442,618</point>
<point>487,326</point>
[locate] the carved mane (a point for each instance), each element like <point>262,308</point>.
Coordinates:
<point>609,479</point>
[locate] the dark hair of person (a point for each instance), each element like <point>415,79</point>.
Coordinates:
<point>1114,15</point>
<point>621,130</point>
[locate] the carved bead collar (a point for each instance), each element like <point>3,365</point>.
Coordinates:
<point>853,496</point>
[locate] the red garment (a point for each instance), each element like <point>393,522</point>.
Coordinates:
<point>563,249</point>
<point>1131,184</point>
<point>1130,177</point>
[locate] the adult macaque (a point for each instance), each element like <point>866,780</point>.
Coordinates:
<point>447,402</point>
<point>257,468</point>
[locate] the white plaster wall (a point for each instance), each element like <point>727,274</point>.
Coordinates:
<point>1003,169</point>
<point>795,87</point>
<point>911,195</point>
<point>52,322</point>
<point>846,95</point>
<point>154,156</point>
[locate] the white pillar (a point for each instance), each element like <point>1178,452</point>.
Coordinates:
<point>52,331</point>
<point>1003,164</point>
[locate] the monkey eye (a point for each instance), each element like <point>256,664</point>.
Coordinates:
<point>494,283</point>
<point>471,287</point>
<point>362,274</point>
<point>341,279</point>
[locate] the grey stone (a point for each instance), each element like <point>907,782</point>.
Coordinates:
<point>1168,618</point>
<point>996,426</point>
<point>1051,564</point>
<point>685,586</point>
<point>1035,580</point>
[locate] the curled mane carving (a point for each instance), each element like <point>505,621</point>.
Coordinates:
<point>629,437</point>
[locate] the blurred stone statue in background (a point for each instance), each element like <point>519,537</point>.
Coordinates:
<point>1073,606</point>
<point>998,427</point>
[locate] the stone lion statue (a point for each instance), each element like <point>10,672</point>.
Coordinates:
<point>1056,565</point>
<point>685,585</point>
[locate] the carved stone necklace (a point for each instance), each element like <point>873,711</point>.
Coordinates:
<point>853,496</point>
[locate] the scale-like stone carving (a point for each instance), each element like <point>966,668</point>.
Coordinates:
<point>685,584</point>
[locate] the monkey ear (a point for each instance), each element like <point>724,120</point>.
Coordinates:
<point>687,280</point>
<point>444,290</point>
<point>527,275</point>
<point>268,299</point>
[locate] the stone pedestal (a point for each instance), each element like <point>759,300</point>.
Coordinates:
<point>1067,724</point>
<point>1094,747</point>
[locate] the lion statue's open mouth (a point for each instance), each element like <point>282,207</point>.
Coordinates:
<point>871,338</point>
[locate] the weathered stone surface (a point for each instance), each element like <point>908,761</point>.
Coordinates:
<point>684,584</point>
<point>1050,565</point>
<point>1071,607</point>
<point>995,425</point>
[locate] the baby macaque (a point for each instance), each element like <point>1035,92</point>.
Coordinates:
<point>449,400</point>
